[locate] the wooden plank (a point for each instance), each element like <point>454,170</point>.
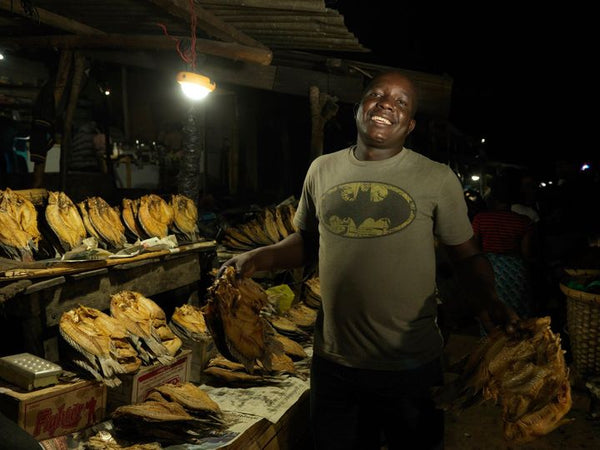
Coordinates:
<point>287,5</point>
<point>50,18</point>
<point>13,289</point>
<point>289,433</point>
<point>89,273</point>
<point>134,264</point>
<point>50,268</point>
<point>46,284</point>
<point>229,50</point>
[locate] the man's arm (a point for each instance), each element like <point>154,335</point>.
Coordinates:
<point>476,275</point>
<point>295,250</point>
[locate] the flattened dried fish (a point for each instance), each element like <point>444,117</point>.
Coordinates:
<point>101,340</point>
<point>145,320</point>
<point>190,396</point>
<point>155,215</point>
<point>129,213</point>
<point>525,372</point>
<point>106,221</point>
<point>233,316</point>
<point>15,242</point>
<point>185,216</point>
<point>64,220</point>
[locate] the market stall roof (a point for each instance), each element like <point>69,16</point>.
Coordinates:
<point>278,45</point>
<point>226,28</point>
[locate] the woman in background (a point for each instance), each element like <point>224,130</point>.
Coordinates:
<point>506,238</point>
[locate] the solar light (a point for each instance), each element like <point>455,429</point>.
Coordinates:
<point>194,85</point>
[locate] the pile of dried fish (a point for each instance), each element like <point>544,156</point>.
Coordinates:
<point>525,372</point>
<point>103,222</point>
<point>102,340</point>
<point>269,226</point>
<point>164,421</point>
<point>231,373</point>
<point>233,315</point>
<point>171,413</point>
<point>193,399</point>
<point>312,292</point>
<point>147,325</point>
<point>19,234</point>
<point>185,217</point>
<point>65,221</point>
<point>103,440</point>
<point>189,320</point>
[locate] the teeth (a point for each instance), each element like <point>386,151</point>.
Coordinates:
<point>382,120</point>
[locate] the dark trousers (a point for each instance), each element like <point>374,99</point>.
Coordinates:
<point>361,409</point>
<point>15,438</point>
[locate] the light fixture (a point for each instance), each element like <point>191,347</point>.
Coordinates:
<point>194,85</point>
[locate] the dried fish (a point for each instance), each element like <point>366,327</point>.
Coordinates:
<point>102,341</point>
<point>185,216</point>
<point>233,316</point>
<point>146,322</point>
<point>155,215</point>
<point>525,372</point>
<point>64,220</point>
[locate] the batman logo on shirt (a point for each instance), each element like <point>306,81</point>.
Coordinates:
<point>366,209</point>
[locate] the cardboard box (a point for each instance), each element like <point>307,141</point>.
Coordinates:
<point>56,410</point>
<point>135,387</point>
<point>202,352</point>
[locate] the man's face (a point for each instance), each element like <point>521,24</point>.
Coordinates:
<point>384,117</point>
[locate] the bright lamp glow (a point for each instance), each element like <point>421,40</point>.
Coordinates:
<point>195,86</point>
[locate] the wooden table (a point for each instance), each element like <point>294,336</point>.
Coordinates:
<point>32,310</point>
<point>291,432</point>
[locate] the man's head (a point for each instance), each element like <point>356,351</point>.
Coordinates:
<point>385,116</point>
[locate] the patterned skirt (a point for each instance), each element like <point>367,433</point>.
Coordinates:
<point>513,282</point>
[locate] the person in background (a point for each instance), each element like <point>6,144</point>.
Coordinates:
<point>88,149</point>
<point>43,130</point>
<point>8,133</point>
<point>525,201</point>
<point>507,238</point>
<point>371,214</point>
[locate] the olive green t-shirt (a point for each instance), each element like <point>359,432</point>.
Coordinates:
<point>377,222</point>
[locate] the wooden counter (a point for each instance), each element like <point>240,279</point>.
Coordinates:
<point>42,294</point>
<point>291,432</point>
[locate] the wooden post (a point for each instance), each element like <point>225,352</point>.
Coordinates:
<point>65,146</point>
<point>234,150</point>
<point>323,107</point>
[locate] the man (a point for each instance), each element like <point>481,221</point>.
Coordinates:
<point>372,213</point>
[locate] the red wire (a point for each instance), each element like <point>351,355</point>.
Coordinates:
<point>188,56</point>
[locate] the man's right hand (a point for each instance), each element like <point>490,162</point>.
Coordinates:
<point>245,264</point>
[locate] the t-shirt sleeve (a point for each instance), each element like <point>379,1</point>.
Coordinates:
<point>452,225</point>
<point>305,218</point>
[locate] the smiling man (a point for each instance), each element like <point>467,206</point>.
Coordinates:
<point>372,214</point>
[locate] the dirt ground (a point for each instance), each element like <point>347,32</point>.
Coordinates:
<point>480,427</point>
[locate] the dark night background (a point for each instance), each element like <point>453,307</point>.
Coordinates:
<point>521,76</point>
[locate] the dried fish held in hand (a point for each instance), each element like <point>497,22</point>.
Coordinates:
<point>525,372</point>
<point>233,316</point>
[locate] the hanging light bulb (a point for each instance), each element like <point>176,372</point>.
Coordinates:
<point>194,85</point>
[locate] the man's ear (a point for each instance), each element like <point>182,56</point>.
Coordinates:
<point>411,126</point>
